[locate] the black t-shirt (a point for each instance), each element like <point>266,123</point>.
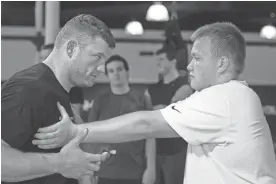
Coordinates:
<point>29,101</point>
<point>162,94</point>
<point>76,95</point>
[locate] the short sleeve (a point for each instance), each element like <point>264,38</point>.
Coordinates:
<point>201,118</point>
<point>16,128</point>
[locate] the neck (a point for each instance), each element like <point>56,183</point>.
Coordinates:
<point>119,89</point>
<point>60,73</point>
<point>226,78</point>
<point>170,76</point>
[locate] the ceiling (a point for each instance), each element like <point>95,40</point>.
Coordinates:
<point>248,16</point>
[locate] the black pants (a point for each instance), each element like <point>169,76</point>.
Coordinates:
<point>118,181</point>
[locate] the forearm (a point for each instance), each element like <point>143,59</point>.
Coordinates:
<point>129,127</point>
<point>18,166</point>
<point>151,153</point>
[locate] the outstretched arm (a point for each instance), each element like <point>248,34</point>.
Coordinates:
<point>129,127</point>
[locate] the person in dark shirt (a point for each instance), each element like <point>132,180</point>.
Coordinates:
<point>29,101</point>
<point>134,162</point>
<point>171,152</point>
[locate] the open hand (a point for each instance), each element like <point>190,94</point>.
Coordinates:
<point>56,135</point>
<point>76,163</point>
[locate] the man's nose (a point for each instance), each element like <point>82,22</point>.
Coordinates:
<point>190,66</point>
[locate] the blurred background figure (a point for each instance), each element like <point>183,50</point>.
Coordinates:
<point>171,152</point>
<point>134,162</point>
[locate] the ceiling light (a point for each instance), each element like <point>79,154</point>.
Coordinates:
<point>268,32</point>
<point>134,28</point>
<point>157,12</point>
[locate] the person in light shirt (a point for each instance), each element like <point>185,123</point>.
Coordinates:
<point>229,141</point>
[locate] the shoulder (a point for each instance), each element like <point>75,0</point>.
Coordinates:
<point>241,96</point>
<point>24,87</point>
<point>209,99</point>
<point>222,96</point>
<point>22,90</point>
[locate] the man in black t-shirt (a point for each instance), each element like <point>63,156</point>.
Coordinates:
<point>29,102</point>
<point>170,152</point>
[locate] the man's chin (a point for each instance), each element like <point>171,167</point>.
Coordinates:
<point>193,85</point>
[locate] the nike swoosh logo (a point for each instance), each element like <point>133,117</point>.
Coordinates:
<point>173,107</point>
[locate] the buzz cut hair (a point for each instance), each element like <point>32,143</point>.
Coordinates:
<point>83,28</point>
<point>226,40</point>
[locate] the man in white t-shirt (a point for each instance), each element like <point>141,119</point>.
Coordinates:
<point>223,121</point>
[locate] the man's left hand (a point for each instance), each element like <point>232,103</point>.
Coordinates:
<point>56,135</point>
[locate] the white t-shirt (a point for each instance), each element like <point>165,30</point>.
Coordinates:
<point>228,136</point>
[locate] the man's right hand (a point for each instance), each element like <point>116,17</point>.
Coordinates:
<point>74,163</point>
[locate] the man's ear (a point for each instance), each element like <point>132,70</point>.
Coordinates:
<point>71,48</point>
<point>223,64</point>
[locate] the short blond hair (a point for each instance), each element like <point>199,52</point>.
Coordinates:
<point>227,40</point>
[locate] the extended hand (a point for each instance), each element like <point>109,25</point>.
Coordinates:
<point>56,135</point>
<point>74,163</point>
